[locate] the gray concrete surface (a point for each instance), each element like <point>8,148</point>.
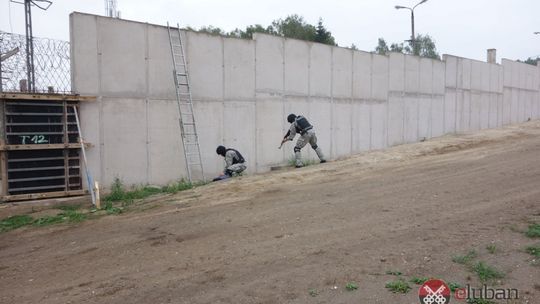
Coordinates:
<point>244,89</point>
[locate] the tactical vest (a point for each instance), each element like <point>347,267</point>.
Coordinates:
<point>302,125</point>
<point>238,158</point>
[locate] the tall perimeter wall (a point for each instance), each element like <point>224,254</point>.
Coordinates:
<point>244,89</point>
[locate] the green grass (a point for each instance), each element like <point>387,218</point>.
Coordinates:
<point>179,186</point>
<point>14,222</point>
<point>464,259</point>
<point>487,273</point>
<point>398,286</point>
<point>305,162</point>
<point>48,220</point>
<point>533,250</point>
<point>534,231</point>
<point>419,281</point>
<point>454,286</point>
<point>491,248</point>
<point>351,286</point>
<point>120,194</point>
<point>313,292</point>
<point>392,272</point>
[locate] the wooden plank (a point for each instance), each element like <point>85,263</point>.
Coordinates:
<point>3,168</point>
<point>33,196</point>
<point>46,97</point>
<point>43,146</point>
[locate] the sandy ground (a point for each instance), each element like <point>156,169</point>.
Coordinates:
<point>271,238</point>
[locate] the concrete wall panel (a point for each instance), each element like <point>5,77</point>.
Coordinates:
<point>412,74</point>
<point>159,65</point>
<point>296,67</point>
<point>205,65</point>
<point>320,71</point>
<point>239,69</point>
<point>379,75</point>
<point>165,151</point>
<point>362,75</point>
<point>484,111</point>
<point>439,77</point>
<point>507,106</point>
<point>476,100</point>
<point>270,130</point>
<point>410,126</point>
<point>451,71</point>
<point>320,115</point>
<point>437,116</point>
<point>342,133</point>
<point>209,118</point>
<point>426,75</point>
<point>236,116</point>
<point>361,126</point>
<point>476,75</point>
<point>124,144</point>
<point>342,72</point>
<point>450,112</point>
<point>424,118</point>
<point>84,73</point>
<point>396,121</point>
<point>269,63</point>
<point>128,39</point>
<point>464,78</point>
<point>397,72</point>
<point>379,123</point>
<point>493,120</point>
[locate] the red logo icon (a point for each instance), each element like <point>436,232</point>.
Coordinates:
<point>434,292</point>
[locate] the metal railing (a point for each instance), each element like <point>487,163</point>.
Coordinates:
<point>51,64</point>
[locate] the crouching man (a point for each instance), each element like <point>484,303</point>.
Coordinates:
<point>234,162</point>
<point>300,125</point>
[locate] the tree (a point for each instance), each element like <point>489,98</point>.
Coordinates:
<point>294,26</point>
<point>322,35</point>
<point>382,47</point>
<point>423,46</point>
<point>531,61</point>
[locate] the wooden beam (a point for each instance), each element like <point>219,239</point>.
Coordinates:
<point>43,147</point>
<point>33,196</point>
<point>46,97</point>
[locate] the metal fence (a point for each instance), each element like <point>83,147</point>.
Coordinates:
<point>51,64</point>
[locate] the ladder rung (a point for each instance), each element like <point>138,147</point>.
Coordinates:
<point>181,74</point>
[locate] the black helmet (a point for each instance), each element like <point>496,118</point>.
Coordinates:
<point>291,118</point>
<point>221,150</point>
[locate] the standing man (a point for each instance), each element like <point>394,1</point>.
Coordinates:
<point>299,124</point>
<point>234,162</point>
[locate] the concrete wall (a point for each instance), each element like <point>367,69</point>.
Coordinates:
<point>244,89</point>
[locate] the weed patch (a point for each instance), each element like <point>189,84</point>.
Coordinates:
<point>486,273</point>
<point>464,259</point>
<point>398,286</point>
<point>491,249</point>
<point>351,286</point>
<point>419,281</point>
<point>533,250</point>
<point>14,222</point>
<point>533,231</point>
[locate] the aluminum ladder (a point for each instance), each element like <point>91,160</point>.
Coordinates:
<point>186,117</point>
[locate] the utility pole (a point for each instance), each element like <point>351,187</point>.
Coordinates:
<point>413,38</point>
<point>30,73</point>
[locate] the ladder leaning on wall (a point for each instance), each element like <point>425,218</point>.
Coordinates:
<point>190,139</point>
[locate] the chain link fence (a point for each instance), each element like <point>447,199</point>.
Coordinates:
<point>51,63</point>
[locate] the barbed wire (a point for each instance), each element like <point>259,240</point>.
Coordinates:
<point>52,66</point>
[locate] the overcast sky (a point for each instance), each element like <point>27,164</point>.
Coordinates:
<point>460,27</point>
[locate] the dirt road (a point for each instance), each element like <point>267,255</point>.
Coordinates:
<point>299,236</point>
